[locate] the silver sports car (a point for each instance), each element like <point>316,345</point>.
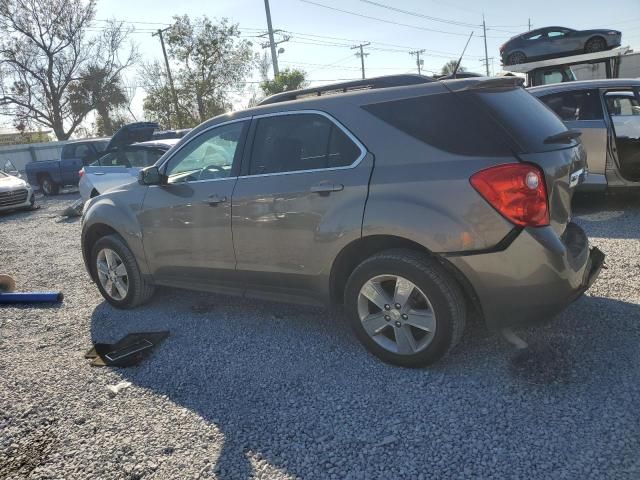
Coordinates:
<point>557,42</point>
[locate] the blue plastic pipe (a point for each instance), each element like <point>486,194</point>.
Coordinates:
<point>31,297</point>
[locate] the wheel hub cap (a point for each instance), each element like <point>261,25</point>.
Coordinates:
<point>112,274</point>
<point>396,314</point>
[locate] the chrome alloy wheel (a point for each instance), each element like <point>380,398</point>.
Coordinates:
<point>112,274</point>
<point>396,314</point>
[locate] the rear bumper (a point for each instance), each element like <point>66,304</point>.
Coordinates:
<point>535,278</point>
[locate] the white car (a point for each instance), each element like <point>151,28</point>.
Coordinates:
<point>121,166</point>
<point>15,192</point>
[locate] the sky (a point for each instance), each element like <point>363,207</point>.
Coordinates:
<point>321,37</point>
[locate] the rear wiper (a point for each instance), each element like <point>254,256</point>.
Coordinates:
<point>563,137</point>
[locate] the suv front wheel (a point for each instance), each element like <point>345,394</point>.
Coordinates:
<point>405,307</point>
<point>117,274</point>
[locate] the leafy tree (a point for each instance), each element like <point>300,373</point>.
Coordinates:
<point>208,62</point>
<point>449,67</point>
<point>286,80</point>
<point>102,90</point>
<point>47,57</point>
<point>117,119</point>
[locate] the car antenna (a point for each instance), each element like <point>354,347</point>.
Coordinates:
<point>455,70</point>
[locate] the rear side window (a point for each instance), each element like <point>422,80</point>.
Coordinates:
<point>445,121</point>
<point>289,143</point>
<point>527,120</point>
<point>578,105</point>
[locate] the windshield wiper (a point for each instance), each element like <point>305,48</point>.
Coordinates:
<point>563,137</point>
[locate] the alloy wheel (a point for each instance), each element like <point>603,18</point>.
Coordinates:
<point>112,274</point>
<point>396,314</point>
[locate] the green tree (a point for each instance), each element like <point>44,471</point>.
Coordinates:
<point>46,53</point>
<point>104,92</point>
<point>286,80</point>
<point>449,67</point>
<point>208,62</point>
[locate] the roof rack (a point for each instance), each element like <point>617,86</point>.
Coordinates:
<point>368,83</point>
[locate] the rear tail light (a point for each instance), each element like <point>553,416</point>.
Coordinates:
<point>80,173</point>
<point>517,191</point>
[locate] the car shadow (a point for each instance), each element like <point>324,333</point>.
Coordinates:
<point>291,384</point>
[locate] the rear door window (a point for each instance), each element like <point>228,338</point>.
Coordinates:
<point>295,142</point>
<point>576,105</point>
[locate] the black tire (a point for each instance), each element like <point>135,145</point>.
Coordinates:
<point>443,292</point>
<point>48,186</point>
<point>515,58</point>
<point>596,44</point>
<point>139,290</point>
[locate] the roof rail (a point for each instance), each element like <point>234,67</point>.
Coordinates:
<point>368,83</point>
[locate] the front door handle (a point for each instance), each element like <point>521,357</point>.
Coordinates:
<point>327,188</point>
<point>214,200</point>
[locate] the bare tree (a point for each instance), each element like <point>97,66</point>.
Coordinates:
<point>46,57</point>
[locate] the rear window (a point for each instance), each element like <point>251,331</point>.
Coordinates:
<point>528,121</point>
<point>445,121</point>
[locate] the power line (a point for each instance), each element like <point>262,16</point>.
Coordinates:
<point>373,42</point>
<point>421,15</point>
<point>387,21</point>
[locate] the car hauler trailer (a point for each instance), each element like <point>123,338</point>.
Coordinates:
<point>607,64</point>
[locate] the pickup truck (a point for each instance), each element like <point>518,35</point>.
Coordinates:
<point>50,175</point>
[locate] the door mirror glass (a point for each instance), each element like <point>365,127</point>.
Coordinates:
<point>150,176</point>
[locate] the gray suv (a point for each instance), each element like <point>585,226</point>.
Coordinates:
<point>409,203</point>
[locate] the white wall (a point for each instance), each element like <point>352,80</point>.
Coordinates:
<point>20,155</point>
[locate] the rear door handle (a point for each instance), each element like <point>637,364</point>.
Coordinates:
<point>326,188</point>
<point>214,200</point>
<point>98,173</point>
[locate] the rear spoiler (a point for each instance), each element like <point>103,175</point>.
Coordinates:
<point>497,82</point>
<point>563,137</point>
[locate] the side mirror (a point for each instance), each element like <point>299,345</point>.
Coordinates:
<point>150,176</point>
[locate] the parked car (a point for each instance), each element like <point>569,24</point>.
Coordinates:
<point>557,42</point>
<point>129,150</point>
<point>408,202</point>
<point>607,112</point>
<point>14,191</point>
<point>51,175</point>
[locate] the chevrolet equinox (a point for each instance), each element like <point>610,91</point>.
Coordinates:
<point>409,203</point>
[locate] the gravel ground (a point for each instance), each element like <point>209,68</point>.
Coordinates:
<point>256,390</point>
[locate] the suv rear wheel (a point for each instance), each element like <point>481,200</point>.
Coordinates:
<point>117,274</point>
<point>405,308</point>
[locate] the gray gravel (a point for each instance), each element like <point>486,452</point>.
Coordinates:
<point>256,390</point>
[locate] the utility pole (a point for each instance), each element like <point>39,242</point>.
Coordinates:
<point>274,56</point>
<point>361,55</point>
<point>486,54</point>
<point>417,54</point>
<point>173,88</point>
<point>529,24</point>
